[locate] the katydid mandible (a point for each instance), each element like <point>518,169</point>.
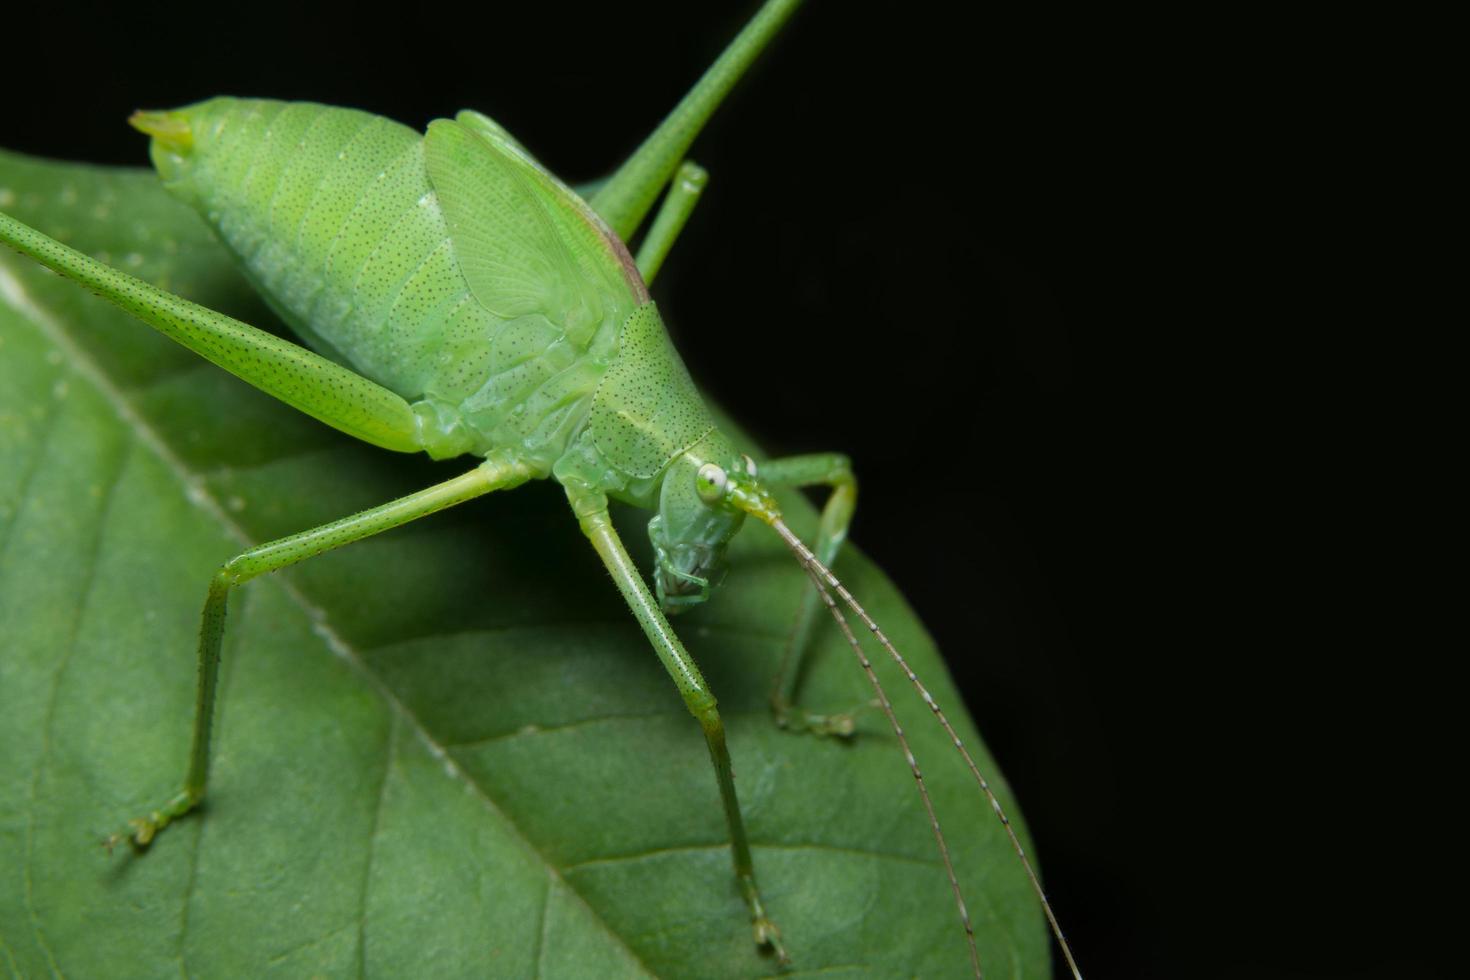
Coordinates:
<point>486,309</point>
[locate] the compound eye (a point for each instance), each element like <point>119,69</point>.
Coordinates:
<point>710,483</point>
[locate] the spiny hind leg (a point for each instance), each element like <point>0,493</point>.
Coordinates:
<point>684,190</point>
<point>490,475</point>
<point>832,470</point>
<point>306,381</point>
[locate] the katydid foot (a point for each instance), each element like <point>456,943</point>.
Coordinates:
<point>797,720</point>
<point>142,830</point>
<point>767,936</point>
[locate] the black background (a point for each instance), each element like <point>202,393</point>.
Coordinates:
<point>1053,281</point>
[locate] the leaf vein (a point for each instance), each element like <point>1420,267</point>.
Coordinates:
<point>769,846</point>
<point>186,899</point>
<point>84,598</point>
<point>529,731</point>
<point>545,925</point>
<point>9,958</point>
<point>390,756</point>
<point>308,944</point>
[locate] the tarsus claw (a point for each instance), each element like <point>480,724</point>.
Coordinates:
<point>766,934</point>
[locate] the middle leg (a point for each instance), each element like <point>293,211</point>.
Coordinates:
<point>833,470</point>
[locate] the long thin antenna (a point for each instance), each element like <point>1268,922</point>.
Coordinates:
<point>857,649</point>
<point>821,575</point>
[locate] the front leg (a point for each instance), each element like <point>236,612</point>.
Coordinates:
<point>591,510</point>
<point>832,470</point>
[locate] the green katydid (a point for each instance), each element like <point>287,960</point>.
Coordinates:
<point>619,420</point>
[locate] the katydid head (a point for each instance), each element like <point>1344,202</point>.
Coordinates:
<point>696,520</point>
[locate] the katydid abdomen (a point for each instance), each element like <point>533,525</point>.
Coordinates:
<point>333,217</point>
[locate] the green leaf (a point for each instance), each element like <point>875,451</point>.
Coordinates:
<point>446,751</point>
